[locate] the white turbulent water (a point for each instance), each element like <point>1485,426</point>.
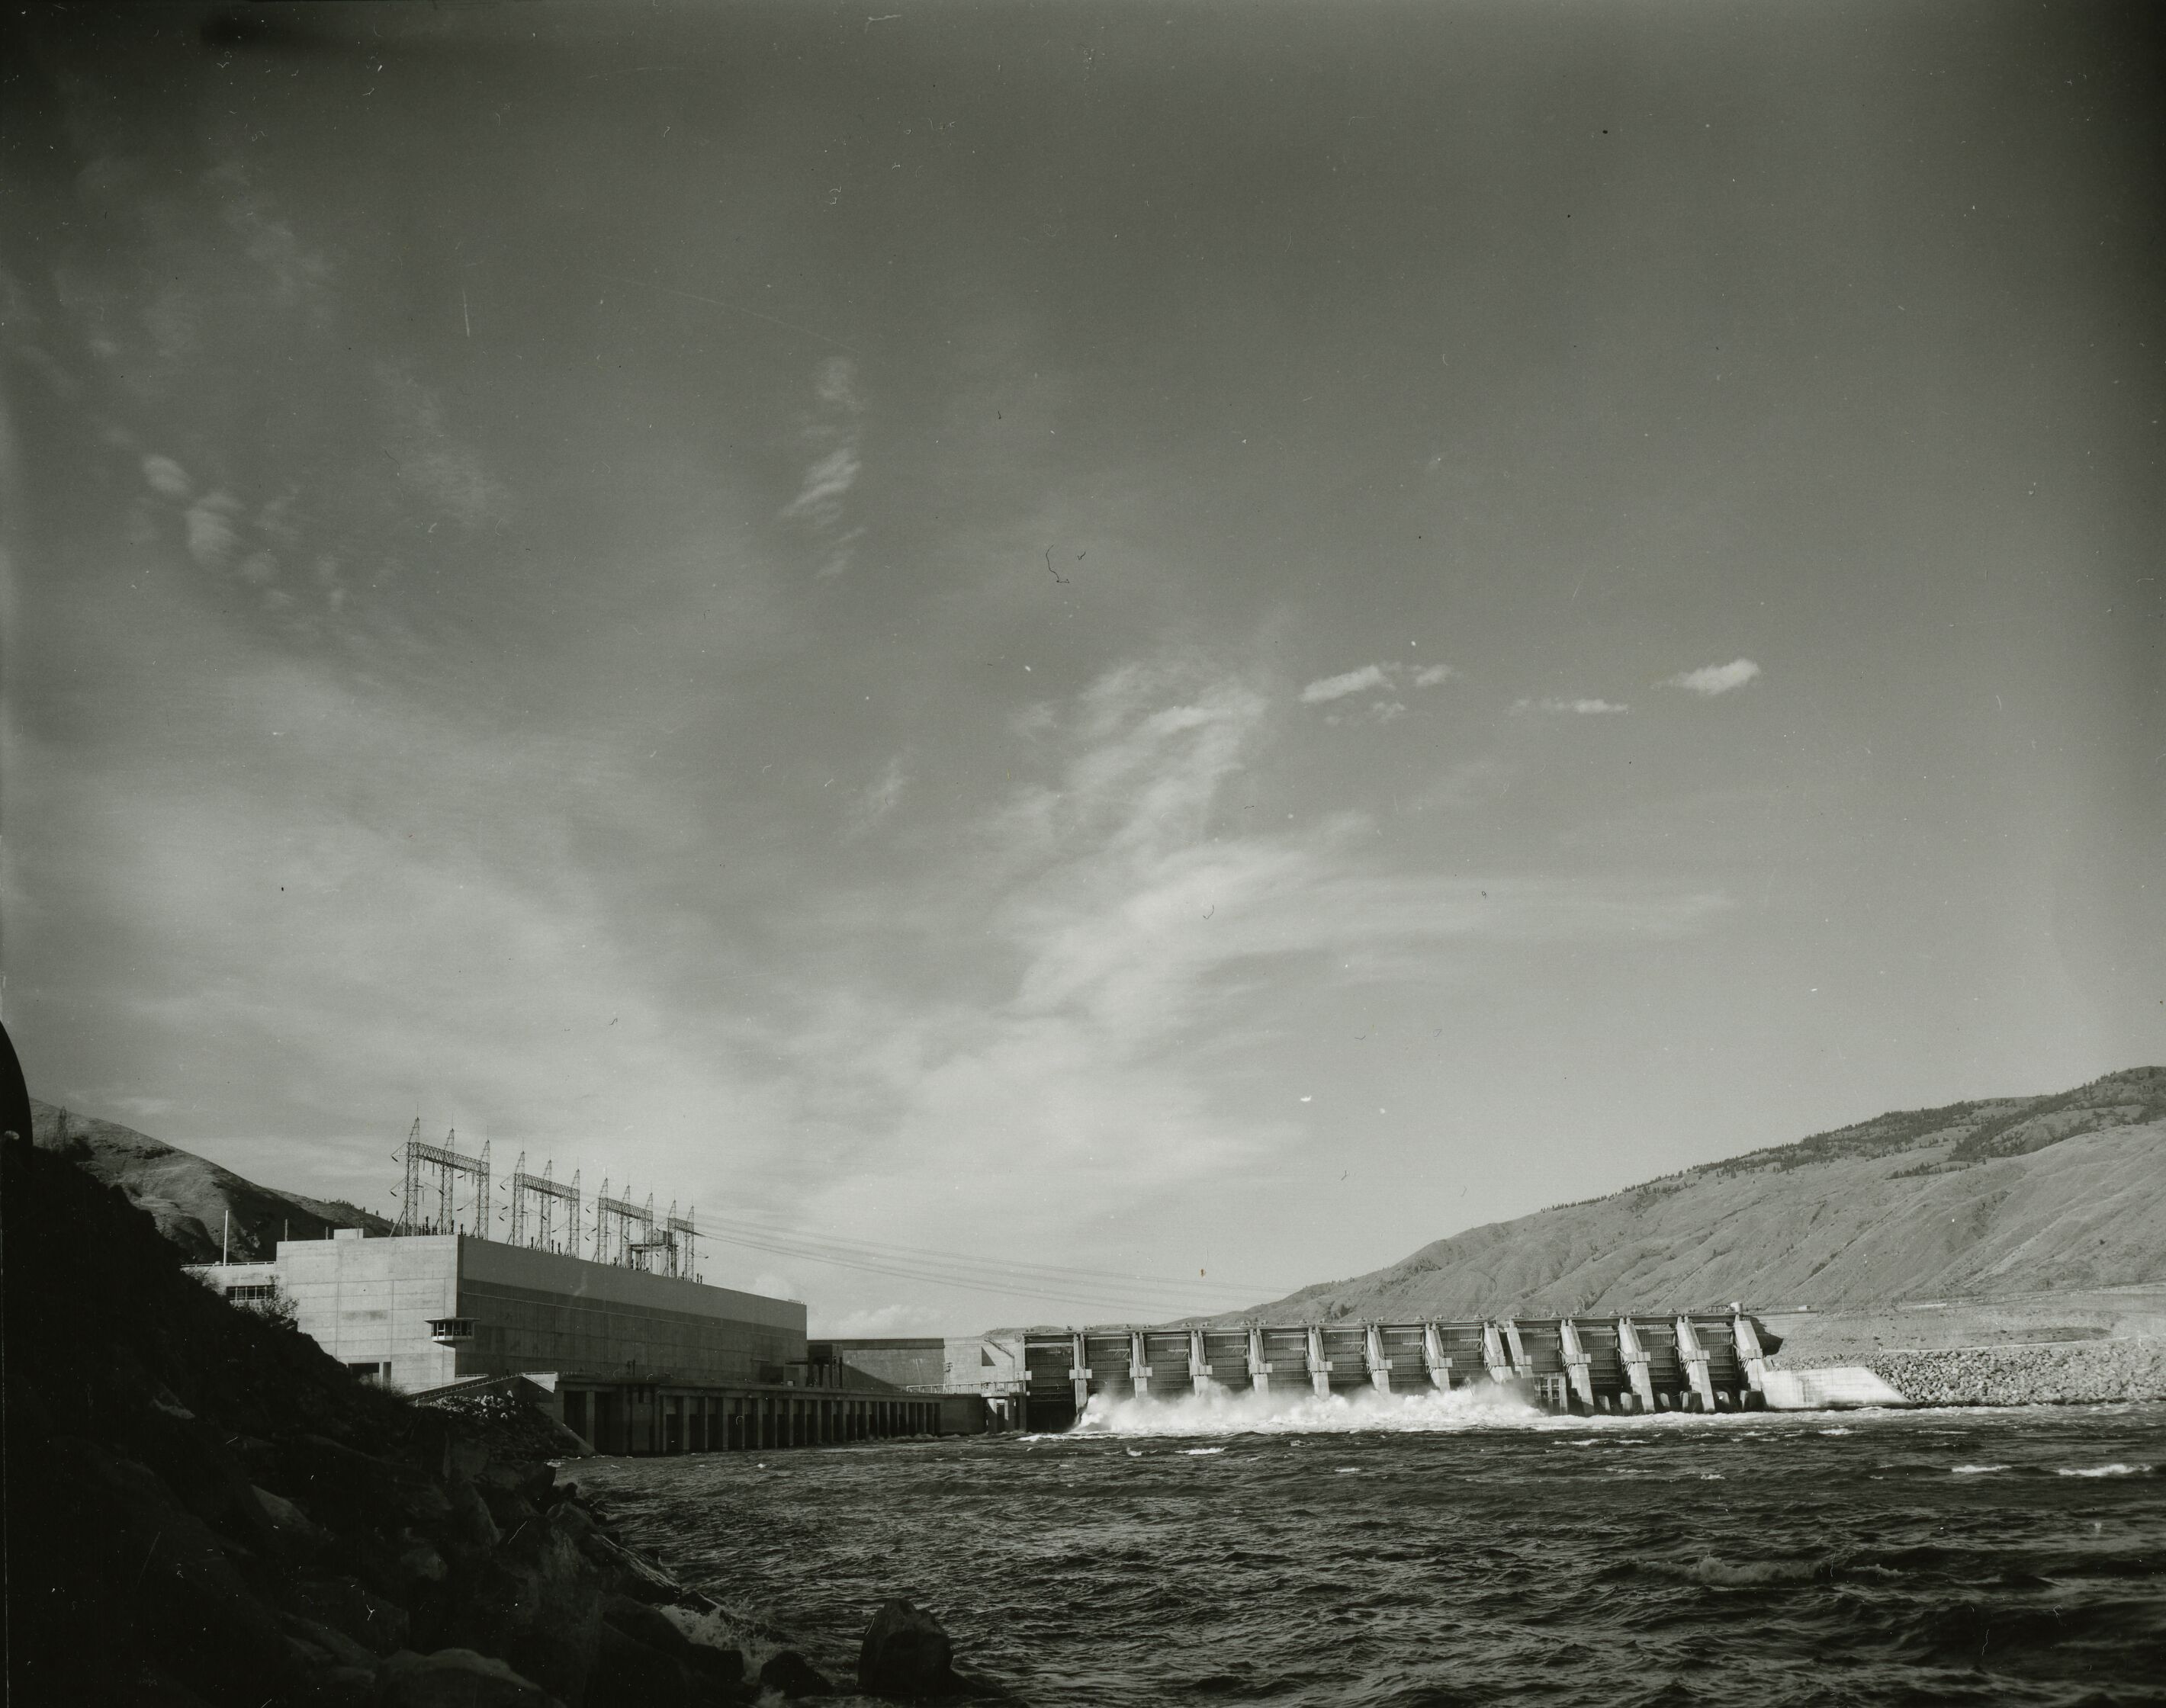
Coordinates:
<point>1231,1411</point>
<point>1446,1552</point>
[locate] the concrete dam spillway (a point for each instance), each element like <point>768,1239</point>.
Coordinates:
<point>1694,1362</point>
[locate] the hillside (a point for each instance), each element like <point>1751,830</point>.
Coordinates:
<point>2004,1196</point>
<point>189,1196</point>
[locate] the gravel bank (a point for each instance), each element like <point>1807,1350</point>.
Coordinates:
<point>2074,1373</point>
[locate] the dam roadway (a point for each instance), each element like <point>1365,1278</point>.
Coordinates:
<point>1697,1361</point>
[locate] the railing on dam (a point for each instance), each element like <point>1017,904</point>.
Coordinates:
<point>1696,1362</point>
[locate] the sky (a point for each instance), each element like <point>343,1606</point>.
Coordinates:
<point>1169,649</point>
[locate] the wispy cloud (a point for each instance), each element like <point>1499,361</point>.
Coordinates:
<point>1124,922</point>
<point>879,798</point>
<point>428,458</point>
<point>836,433</point>
<point>167,477</point>
<point>1583,708</point>
<point>211,535</point>
<point>1327,688</point>
<point>1335,687</point>
<point>826,481</point>
<point>1712,679</point>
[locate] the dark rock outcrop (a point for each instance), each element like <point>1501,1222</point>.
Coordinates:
<point>906,1655</point>
<point>789,1674</point>
<point>203,1509</point>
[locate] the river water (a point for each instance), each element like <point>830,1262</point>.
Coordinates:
<point>1423,1554</point>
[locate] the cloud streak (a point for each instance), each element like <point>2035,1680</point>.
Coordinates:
<point>1326,689</point>
<point>1335,687</point>
<point>1712,679</point>
<point>1584,708</point>
<point>879,798</point>
<point>1121,922</point>
<point>836,433</point>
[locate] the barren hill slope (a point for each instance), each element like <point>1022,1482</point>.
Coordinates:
<point>2009,1195</point>
<point>188,1196</point>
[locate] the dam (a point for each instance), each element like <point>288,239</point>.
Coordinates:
<point>1711,1361</point>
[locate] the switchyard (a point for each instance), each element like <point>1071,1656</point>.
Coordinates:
<point>1693,1362</point>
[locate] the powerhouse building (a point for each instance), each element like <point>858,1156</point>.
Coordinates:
<point>635,1362</point>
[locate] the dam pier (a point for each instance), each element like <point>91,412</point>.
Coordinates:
<point>1584,1365</point>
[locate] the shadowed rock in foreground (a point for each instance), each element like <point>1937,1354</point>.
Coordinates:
<point>203,1509</point>
<point>907,1654</point>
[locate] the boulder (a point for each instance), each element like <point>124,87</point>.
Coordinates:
<point>195,1612</point>
<point>420,1563</point>
<point>188,1456</point>
<point>298,1535</point>
<point>630,1674</point>
<point>334,1644</point>
<point>644,1622</point>
<point>531,1482</point>
<point>789,1674</point>
<point>357,1612</point>
<point>717,1674</point>
<point>907,1654</point>
<point>507,1506</point>
<point>465,1458</point>
<point>425,1503</point>
<point>341,1687</point>
<point>628,1573</point>
<point>571,1519</point>
<point>456,1678</point>
<point>538,1603</point>
<point>471,1531</point>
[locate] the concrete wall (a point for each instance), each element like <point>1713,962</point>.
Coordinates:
<point>899,1364</point>
<point>542,1310</point>
<point>370,1304</point>
<point>371,1301</point>
<point>973,1361</point>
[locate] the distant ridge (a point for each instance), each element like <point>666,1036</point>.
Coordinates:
<point>2011,1194</point>
<point>188,1196</point>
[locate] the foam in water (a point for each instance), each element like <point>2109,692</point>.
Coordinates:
<point>1230,1411</point>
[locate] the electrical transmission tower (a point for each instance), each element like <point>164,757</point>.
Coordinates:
<point>629,1235</point>
<point>534,1201</point>
<point>437,1172</point>
<point>683,1257</point>
<point>623,1230</point>
<point>655,1249</point>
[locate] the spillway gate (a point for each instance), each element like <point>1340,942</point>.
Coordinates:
<point>1694,1362</point>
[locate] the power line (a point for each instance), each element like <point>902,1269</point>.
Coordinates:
<point>993,1279</point>
<point>1018,1285</point>
<point>997,1267</point>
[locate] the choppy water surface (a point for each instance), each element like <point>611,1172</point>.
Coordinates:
<point>1429,1555</point>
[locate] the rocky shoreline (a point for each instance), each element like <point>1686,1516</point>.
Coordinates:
<point>2081,1373</point>
<point>203,1509</point>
